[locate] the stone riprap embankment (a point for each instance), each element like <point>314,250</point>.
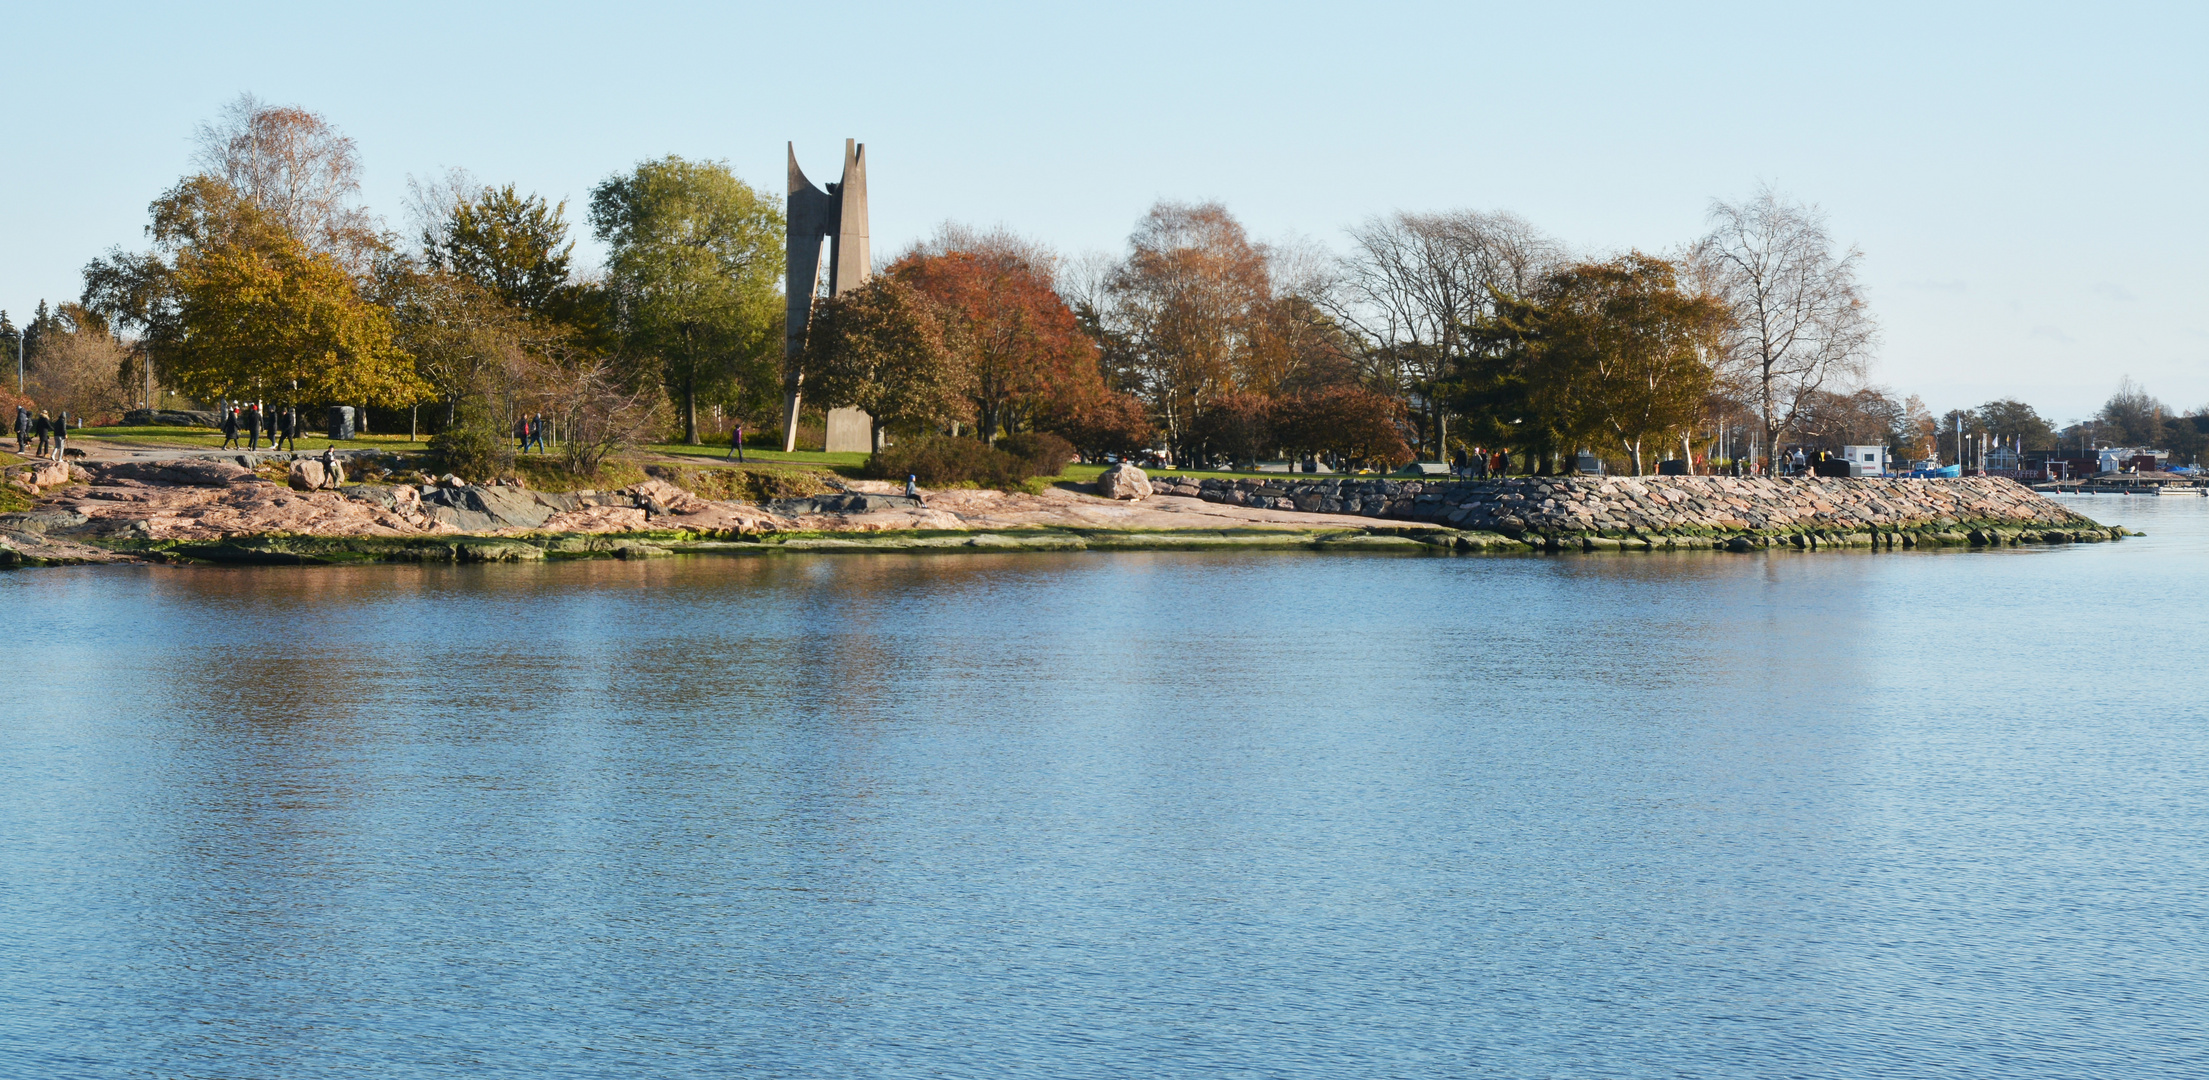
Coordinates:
<point>1861,512</point>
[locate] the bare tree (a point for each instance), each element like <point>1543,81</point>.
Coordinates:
<point>431,201</point>
<point>1413,284</point>
<point>1800,325</point>
<point>296,168</point>
<point>598,412</point>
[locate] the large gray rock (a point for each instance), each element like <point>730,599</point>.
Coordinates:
<point>170,418</point>
<point>189,472</point>
<point>1124,481</point>
<point>43,521</point>
<point>853,503</point>
<point>483,509</point>
<point>400,498</point>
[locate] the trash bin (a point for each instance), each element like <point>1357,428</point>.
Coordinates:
<point>1675,467</point>
<point>341,422</point>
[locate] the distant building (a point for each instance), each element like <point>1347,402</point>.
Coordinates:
<point>2129,458</point>
<point>1865,460</point>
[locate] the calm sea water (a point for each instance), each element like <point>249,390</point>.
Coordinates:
<point>1235,815</point>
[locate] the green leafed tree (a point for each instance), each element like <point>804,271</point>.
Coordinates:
<point>2009,419</point>
<point>695,259</point>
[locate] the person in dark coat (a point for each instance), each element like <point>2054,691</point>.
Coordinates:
<point>22,428</point>
<point>43,427</point>
<point>289,431</point>
<point>269,425</point>
<point>61,435</point>
<point>229,428</point>
<point>736,444</point>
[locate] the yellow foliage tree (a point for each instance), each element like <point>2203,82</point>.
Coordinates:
<point>262,316</point>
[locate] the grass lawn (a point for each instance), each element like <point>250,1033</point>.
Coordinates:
<point>757,456</point>
<point>212,439</point>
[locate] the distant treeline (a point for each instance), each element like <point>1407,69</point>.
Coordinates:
<point>1431,335</point>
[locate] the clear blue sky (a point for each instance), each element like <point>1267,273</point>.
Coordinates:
<point>2026,181</point>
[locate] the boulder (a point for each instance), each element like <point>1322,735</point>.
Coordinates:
<point>1124,481</point>
<point>483,509</point>
<point>48,474</point>
<point>189,472</point>
<point>308,475</point>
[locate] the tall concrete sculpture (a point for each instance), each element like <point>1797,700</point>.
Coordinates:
<point>839,216</point>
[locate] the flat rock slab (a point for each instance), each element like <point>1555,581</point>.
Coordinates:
<point>842,504</point>
<point>185,472</point>
<point>489,509</point>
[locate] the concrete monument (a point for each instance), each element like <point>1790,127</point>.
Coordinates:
<point>839,216</point>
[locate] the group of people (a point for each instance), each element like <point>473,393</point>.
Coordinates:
<point>52,433</point>
<point>530,431</point>
<point>249,421</point>
<point>1480,464</point>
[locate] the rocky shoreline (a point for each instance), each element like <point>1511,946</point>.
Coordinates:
<point>233,509</point>
<point>1622,506</point>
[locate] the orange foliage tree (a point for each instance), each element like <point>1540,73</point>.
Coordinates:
<point>1024,355</point>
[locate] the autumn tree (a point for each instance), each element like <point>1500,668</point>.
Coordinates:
<point>1354,423</point>
<point>1024,355</point>
<point>881,348</point>
<point>258,277</point>
<point>299,171</point>
<point>1799,323</point>
<point>1189,301</point>
<point>695,260</point>
<point>260,313</point>
<point>75,364</point>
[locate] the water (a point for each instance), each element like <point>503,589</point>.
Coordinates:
<point>1236,815</point>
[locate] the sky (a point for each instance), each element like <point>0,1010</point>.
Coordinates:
<point>2025,181</point>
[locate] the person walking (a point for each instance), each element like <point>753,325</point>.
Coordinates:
<point>537,426</point>
<point>43,427</point>
<point>229,427</point>
<point>290,430</point>
<point>22,428</point>
<point>252,427</point>
<point>271,424</point>
<point>61,435</point>
<point>736,444</point>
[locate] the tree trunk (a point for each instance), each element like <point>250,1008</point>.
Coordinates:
<point>690,409</point>
<point>874,433</point>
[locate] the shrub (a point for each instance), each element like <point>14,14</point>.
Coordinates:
<point>944,461</point>
<point>477,448</point>
<point>1045,453</point>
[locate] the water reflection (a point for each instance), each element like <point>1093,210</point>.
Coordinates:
<point>1089,815</point>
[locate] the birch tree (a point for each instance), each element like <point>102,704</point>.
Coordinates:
<point>1799,322</point>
